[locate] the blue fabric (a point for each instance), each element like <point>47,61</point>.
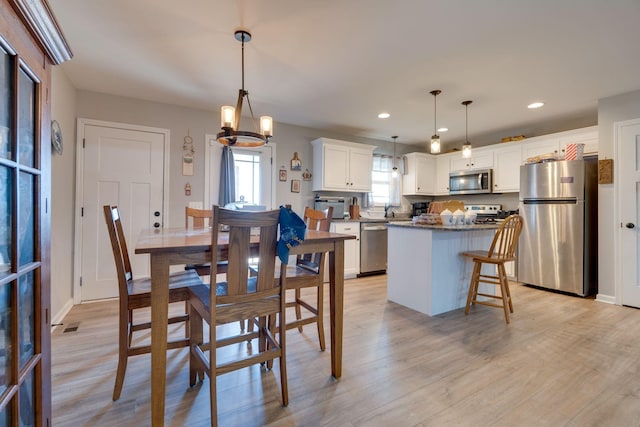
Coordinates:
<point>292,231</point>
<point>227,177</point>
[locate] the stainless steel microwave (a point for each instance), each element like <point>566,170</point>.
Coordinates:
<point>471,182</point>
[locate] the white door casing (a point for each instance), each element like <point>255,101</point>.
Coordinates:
<point>120,164</point>
<point>627,196</point>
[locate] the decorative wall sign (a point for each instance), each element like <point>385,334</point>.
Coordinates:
<point>306,175</point>
<point>187,156</point>
<point>187,189</point>
<point>605,171</point>
<point>283,174</point>
<point>296,163</point>
<point>295,185</point>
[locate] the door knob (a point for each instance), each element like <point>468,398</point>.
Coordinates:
<point>630,225</point>
<point>156,225</point>
<point>156,213</point>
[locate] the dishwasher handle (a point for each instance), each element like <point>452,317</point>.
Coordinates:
<point>374,228</point>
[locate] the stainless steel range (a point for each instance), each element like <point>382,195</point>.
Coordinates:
<point>485,214</point>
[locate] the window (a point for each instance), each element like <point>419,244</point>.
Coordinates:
<point>385,189</point>
<point>247,168</point>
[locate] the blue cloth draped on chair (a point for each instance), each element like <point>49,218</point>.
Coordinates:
<point>227,177</point>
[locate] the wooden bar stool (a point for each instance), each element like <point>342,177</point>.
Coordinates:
<point>503,249</point>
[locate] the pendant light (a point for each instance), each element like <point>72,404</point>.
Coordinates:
<point>394,171</point>
<point>230,117</point>
<point>466,147</point>
<point>435,139</point>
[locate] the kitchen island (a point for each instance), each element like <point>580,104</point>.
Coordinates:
<point>425,269</point>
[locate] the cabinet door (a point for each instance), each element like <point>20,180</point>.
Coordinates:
<point>360,170</point>
<point>351,248</point>
<point>539,147</point>
<point>425,175</point>
<point>589,138</point>
<point>336,167</point>
<point>442,174</point>
<point>459,163</point>
<point>477,161</point>
<point>506,171</point>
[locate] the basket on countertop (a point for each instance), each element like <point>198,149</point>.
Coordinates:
<point>427,219</point>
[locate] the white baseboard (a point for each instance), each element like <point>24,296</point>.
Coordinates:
<point>59,316</point>
<point>609,299</point>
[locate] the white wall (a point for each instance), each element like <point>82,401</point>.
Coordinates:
<point>63,109</point>
<point>610,110</point>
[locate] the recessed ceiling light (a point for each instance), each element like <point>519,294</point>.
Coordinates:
<point>384,115</point>
<point>535,105</point>
<point>443,129</point>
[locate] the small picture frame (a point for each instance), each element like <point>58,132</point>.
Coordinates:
<point>306,175</point>
<point>295,185</point>
<point>296,163</point>
<point>283,175</point>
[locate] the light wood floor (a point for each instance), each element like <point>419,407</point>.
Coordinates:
<point>563,361</point>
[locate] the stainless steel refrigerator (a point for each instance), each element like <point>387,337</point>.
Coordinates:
<point>558,244</point>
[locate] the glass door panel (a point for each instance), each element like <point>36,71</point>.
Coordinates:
<point>5,337</point>
<point>6,186</point>
<point>5,105</point>
<point>26,119</point>
<point>26,319</point>
<point>26,219</point>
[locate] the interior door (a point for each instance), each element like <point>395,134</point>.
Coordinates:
<point>122,166</point>
<point>628,178</point>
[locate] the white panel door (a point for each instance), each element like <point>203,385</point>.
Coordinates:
<point>628,178</point>
<point>121,167</point>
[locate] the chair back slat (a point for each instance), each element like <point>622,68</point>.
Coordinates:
<point>197,216</point>
<point>505,240</point>
<point>118,247</point>
<point>319,221</point>
<point>242,249</point>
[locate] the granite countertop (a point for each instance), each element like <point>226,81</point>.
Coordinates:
<point>410,224</point>
<point>362,220</point>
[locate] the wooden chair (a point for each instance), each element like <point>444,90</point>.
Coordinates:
<point>196,218</point>
<point>309,273</point>
<point>242,296</point>
<point>136,293</point>
<point>503,249</point>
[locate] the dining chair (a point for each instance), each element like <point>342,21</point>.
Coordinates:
<point>197,218</point>
<point>502,250</point>
<point>136,293</point>
<point>242,296</point>
<point>308,272</point>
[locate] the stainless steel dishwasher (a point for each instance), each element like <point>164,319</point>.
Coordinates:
<point>373,248</point>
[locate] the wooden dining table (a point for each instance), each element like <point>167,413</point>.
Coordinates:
<point>173,246</point>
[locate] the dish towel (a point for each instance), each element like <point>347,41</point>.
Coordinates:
<point>292,231</point>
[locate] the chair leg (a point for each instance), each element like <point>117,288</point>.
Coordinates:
<point>213,395</point>
<point>129,327</point>
<point>320,316</point>
<point>124,338</point>
<point>473,286</point>
<point>284,389</point>
<point>298,310</point>
<point>195,334</point>
<point>503,289</point>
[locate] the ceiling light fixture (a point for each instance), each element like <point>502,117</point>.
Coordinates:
<point>384,115</point>
<point>394,171</point>
<point>435,139</point>
<point>466,147</point>
<point>535,105</point>
<point>230,117</point>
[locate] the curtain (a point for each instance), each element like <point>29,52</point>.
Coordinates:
<point>385,188</point>
<point>227,177</point>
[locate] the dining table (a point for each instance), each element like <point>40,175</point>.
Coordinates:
<point>176,246</point>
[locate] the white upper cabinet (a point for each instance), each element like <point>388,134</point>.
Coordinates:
<point>554,145</point>
<point>541,146</point>
<point>587,136</point>
<point>341,165</point>
<point>506,170</point>
<point>478,160</point>
<point>418,178</point>
<point>443,165</point>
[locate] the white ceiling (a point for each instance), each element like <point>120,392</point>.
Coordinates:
<point>335,64</point>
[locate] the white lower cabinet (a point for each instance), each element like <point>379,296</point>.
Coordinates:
<point>351,249</point>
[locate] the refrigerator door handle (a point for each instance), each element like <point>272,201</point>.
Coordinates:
<point>558,201</point>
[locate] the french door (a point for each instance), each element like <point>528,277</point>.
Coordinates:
<point>25,174</point>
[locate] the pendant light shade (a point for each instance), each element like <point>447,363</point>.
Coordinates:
<point>230,116</point>
<point>394,170</point>
<point>466,147</point>
<point>435,138</point>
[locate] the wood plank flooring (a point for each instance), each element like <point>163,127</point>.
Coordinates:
<point>563,361</point>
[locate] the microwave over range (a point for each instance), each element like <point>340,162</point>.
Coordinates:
<point>471,182</point>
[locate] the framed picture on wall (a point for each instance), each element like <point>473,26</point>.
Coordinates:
<point>283,175</point>
<point>295,185</point>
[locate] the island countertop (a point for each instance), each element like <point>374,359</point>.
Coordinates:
<point>471,227</point>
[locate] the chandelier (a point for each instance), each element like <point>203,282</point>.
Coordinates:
<point>230,117</point>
